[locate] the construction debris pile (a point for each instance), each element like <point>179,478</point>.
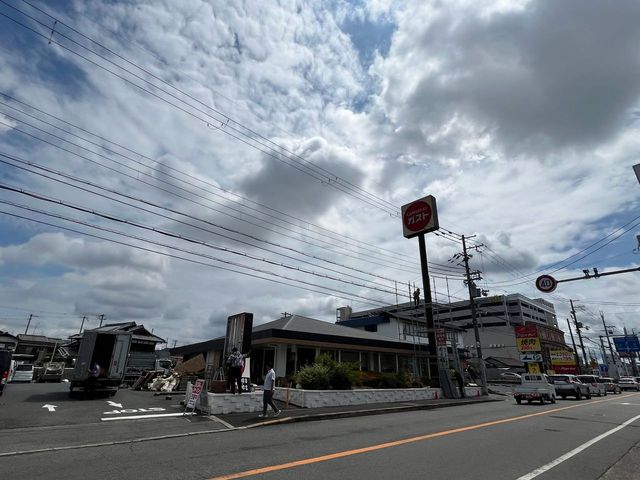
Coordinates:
<point>157,381</point>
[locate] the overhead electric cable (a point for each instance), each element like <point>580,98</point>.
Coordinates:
<point>223,126</point>
<point>343,238</point>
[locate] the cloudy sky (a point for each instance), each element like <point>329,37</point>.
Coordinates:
<point>174,163</point>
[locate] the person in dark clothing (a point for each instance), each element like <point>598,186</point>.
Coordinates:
<point>235,363</point>
<point>459,378</point>
<point>94,373</point>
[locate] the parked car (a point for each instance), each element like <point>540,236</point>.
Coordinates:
<point>5,368</point>
<point>535,386</point>
<point>610,384</point>
<point>595,386</point>
<point>629,383</point>
<point>23,373</point>
<point>570,386</point>
<point>511,377</point>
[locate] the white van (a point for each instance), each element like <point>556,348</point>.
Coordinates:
<point>23,373</point>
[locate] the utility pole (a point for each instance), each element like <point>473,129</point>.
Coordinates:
<point>606,332</point>
<point>634,367</point>
<point>578,326</point>
<point>101,317</point>
<point>573,342</point>
<point>26,330</point>
<point>474,318</point>
<point>82,324</point>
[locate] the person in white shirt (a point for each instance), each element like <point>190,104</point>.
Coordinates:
<point>267,395</point>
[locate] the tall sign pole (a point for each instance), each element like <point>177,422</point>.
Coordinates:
<point>578,327</point>
<point>420,217</point>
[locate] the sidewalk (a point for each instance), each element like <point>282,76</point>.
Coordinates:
<point>294,414</point>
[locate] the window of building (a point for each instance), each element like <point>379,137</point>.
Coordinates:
<point>371,328</point>
<point>388,362</point>
<point>349,356</point>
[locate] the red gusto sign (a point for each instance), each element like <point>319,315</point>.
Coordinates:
<point>419,217</point>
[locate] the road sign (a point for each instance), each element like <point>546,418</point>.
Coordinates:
<point>546,283</point>
<point>420,216</point>
<point>530,357</point>
<point>627,344</point>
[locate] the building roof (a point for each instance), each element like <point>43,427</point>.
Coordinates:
<point>504,362</point>
<point>24,338</point>
<point>138,331</point>
<point>298,327</point>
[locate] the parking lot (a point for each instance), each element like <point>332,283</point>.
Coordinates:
<point>49,404</point>
<point>42,416</point>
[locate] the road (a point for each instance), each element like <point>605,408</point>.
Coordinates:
<point>494,441</point>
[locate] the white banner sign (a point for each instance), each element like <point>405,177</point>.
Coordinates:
<point>195,393</point>
<point>530,357</point>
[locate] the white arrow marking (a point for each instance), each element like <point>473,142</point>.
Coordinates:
<point>114,404</point>
<point>51,408</point>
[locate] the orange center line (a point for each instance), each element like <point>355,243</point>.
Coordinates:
<point>380,446</point>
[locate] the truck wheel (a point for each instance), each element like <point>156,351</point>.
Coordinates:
<point>518,400</point>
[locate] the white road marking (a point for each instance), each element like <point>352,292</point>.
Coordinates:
<point>114,404</point>
<point>575,451</point>
<point>51,408</point>
<point>628,403</point>
<point>138,417</point>
<point>135,410</point>
<point>228,425</point>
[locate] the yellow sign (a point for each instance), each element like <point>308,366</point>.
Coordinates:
<point>533,367</point>
<point>562,357</point>
<point>528,344</point>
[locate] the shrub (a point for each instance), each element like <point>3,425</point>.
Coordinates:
<point>326,373</point>
<point>313,377</point>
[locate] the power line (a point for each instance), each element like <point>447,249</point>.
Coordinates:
<point>342,238</point>
<point>224,123</point>
<point>171,210</point>
<point>229,119</point>
<point>327,290</point>
<point>167,233</point>
<point>165,190</point>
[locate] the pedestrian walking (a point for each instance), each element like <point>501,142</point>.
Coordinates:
<point>235,363</point>
<point>268,388</point>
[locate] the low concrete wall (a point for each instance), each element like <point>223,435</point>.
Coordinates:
<point>223,403</point>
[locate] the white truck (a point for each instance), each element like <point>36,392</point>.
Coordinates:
<point>109,350</point>
<point>535,386</point>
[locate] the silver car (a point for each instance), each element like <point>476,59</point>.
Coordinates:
<point>629,383</point>
<point>570,386</point>
<point>596,387</point>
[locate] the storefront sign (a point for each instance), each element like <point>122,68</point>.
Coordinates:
<point>195,393</point>
<point>528,344</point>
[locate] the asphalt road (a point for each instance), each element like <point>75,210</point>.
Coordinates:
<point>494,441</point>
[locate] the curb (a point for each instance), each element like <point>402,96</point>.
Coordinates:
<point>367,412</point>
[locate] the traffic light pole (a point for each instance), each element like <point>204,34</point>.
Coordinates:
<point>575,350</point>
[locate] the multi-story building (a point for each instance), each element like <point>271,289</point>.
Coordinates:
<point>496,315</point>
